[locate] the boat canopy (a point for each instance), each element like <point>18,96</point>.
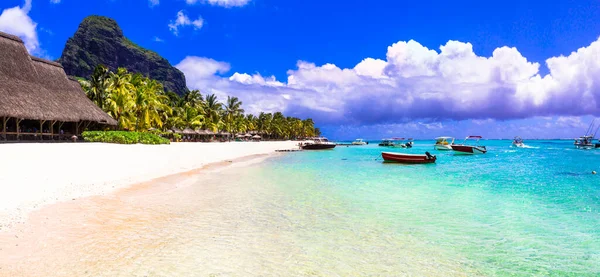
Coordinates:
<point>475,137</point>
<point>444,138</point>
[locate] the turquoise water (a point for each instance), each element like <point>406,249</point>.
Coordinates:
<point>511,212</point>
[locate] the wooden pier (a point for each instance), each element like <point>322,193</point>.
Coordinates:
<point>288,150</point>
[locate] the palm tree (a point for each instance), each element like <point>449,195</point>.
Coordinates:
<point>233,108</point>
<point>193,97</point>
<point>120,101</point>
<point>96,87</point>
<point>150,107</point>
<point>212,113</point>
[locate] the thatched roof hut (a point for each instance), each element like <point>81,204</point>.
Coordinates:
<point>37,89</point>
<point>188,131</point>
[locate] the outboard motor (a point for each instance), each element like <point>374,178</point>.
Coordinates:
<point>429,156</point>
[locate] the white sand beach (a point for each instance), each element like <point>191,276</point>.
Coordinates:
<point>36,174</point>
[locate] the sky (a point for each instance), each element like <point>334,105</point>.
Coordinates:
<point>368,69</point>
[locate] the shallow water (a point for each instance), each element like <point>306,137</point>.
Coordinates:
<point>511,212</point>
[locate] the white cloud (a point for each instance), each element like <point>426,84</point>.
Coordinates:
<point>183,20</point>
<point>16,21</point>
<point>415,82</point>
<point>157,39</point>
<point>222,3</point>
<point>57,1</point>
<point>152,3</point>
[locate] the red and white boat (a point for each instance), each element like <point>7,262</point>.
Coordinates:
<point>408,158</point>
<point>469,149</point>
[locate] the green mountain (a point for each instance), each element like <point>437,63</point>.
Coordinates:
<point>100,40</point>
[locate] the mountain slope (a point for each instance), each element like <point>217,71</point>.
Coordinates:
<point>100,40</point>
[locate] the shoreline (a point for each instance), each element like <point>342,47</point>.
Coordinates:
<point>40,174</point>
<point>67,222</point>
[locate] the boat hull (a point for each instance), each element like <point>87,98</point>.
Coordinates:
<point>443,147</point>
<point>317,146</point>
<point>468,150</point>
<point>408,158</point>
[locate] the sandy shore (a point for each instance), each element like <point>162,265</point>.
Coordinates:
<point>34,175</point>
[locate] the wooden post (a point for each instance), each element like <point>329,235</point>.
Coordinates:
<point>18,131</point>
<point>52,128</point>
<point>42,129</point>
<point>4,120</point>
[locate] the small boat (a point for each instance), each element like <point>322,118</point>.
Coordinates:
<point>443,143</point>
<point>408,158</point>
<point>319,143</point>
<point>469,149</point>
<point>518,142</point>
<point>387,142</point>
<point>359,142</point>
<point>407,144</point>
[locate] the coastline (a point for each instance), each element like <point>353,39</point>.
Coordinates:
<point>38,174</point>
<point>50,239</point>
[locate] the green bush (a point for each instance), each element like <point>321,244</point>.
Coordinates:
<point>123,137</point>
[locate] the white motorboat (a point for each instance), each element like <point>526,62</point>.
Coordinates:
<point>469,149</point>
<point>444,143</point>
<point>359,142</point>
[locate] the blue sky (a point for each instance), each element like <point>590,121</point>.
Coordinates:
<point>365,68</point>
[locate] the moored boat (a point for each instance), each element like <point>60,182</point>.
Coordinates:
<point>469,149</point>
<point>587,141</point>
<point>387,142</point>
<point>408,158</point>
<point>359,142</point>
<point>320,143</point>
<point>443,143</point>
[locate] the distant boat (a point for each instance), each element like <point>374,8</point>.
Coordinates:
<point>408,158</point>
<point>359,142</point>
<point>319,143</point>
<point>587,141</point>
<point>518,142</point>
<point>469,149</point>
<point>407,144</point>
<point>444,143</point>
<point>387,142</point>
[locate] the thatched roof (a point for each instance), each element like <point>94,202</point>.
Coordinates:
<point>38,89</point>
<point>188,131</point>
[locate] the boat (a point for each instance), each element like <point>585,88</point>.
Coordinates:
<point>359,142</point>
<point>587,141</point>
<point>469,149</point>
<point>387,142</point>
<point>408,158</point>
<point>320,143</point>
<point>443,143</point>
<point>407,144</point>
<point>518,142</point>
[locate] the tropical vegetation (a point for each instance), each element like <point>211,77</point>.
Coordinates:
<point>123,137</point>
<point>141,104</point>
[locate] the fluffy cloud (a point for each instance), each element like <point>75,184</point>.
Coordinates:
<point>222,3</point>
<point>183,20</point>
<point>16,21</point>
<point>415,82</point>
<point>152,3</point>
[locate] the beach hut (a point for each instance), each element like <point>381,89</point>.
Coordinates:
<point>38,100</point>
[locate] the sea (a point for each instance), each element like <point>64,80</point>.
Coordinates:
<point>532,211</point>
